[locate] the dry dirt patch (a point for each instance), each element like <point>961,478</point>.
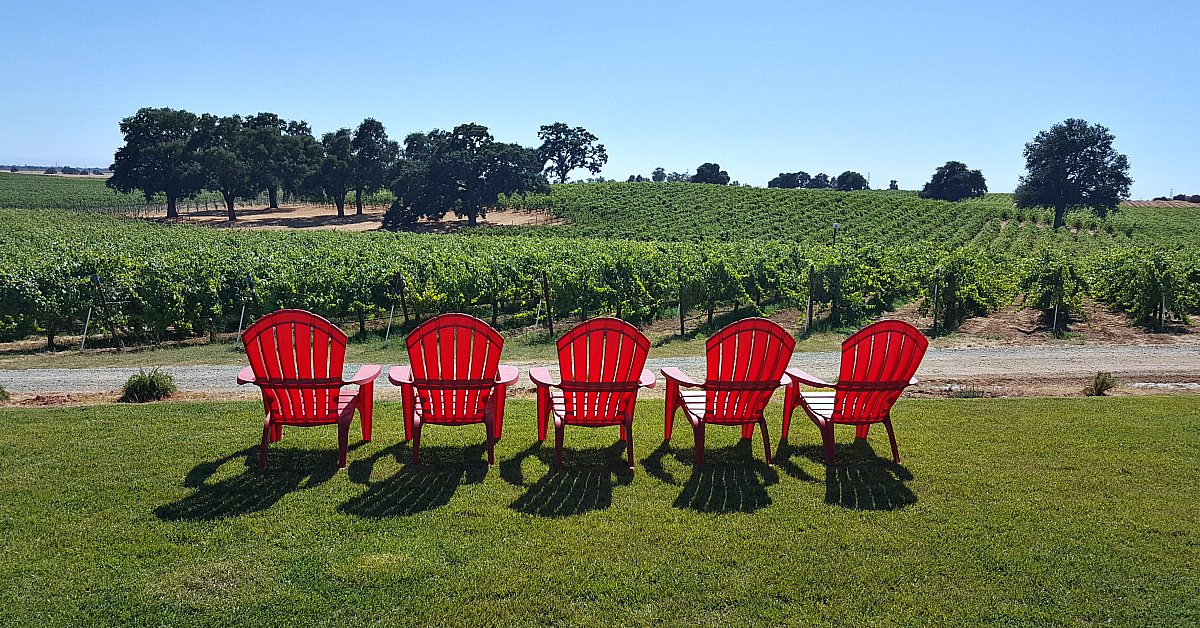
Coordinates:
<point>319,216</point>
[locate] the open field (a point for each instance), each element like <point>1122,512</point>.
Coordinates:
<point>1047,512</point>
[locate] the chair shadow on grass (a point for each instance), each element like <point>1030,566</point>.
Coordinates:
<point>290,469</point>
<point>859,479</point>
<point>583,483</point>
<point>730,480</point>
<point>414,488</point>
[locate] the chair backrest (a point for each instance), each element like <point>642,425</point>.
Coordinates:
<point>746,359</point>
<point>454,358</point>
<point>600,362</point>
<point>877,363</point>
<point>297,360</point>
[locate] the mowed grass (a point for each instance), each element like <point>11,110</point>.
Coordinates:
<point>1022,512</point>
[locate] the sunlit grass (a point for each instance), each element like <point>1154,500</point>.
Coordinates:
<point>1003,512</point>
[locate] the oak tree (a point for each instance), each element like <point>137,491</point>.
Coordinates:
<point>1073,163</point>
<point>160,155</point>
<point>565,149</point>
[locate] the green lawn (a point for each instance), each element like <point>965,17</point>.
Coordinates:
<point>1023,512</point>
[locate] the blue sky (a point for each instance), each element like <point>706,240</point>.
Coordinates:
<point>893,89</point>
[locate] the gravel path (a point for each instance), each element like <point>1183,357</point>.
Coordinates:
<point>1140,363</point>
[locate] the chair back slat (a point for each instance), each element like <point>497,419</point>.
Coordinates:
<point>297,359</point>
<point>455,359</point>
<point>746,359</point>
<point>877,363</point>
<point>600,362</point>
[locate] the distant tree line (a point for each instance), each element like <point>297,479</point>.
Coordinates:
<point>178,154</point>
<point>847,181</point>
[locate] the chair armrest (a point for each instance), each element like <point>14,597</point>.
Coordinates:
<point>800,377</point>
<point>400,375</point>
<point>679,377</point>
<point>507,376</point>
<point>366,374</point>
<point>246,376</point>
<point>541,376</point>
<point>647,380</point>
<point>914,382</point>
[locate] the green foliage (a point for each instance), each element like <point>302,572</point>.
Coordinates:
<point>1073,163</point>
<point>1149,284</point>
<point>849,181</point>
<point>374,157</point>
<point>161,154</point>
<point>790,180</point>
<point>152,385</point>
<point>967,282</point>
<point>565,149</point>
<point>710,173</point>
<point>464,171</point>
<point>1052,280</point>
<point>954,182</point>
<point>334,174</point>
<point>1103,382</point>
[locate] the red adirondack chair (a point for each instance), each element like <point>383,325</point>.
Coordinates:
<point>455,378</point>
<point>878,362</point>
<point>746,362</point>
<point>296,359</point>
<point>601,369</point>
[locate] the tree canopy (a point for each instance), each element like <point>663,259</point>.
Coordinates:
<point>374,157</point>
<point>659,175</point>
<point>710,173</point>
<point>790,180</point>
<point>333,176</point>
<point>954,182</point>
<point>160,155</point>
<point>1073,163</point>
<point>819,181</point>
<point>464,171</point>
<point>565,149</point>
<point>850,180</point>
<point>224,161</point>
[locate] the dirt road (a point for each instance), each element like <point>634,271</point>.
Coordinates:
<point>996,371</point>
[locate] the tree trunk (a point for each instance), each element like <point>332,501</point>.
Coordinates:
<point>273,194</point>
<point>51,331</point>
<point>358,201</point>
<point>171,211</point>
<point>229,199</point>
<point>341,205</point>
<point>472,217</point>
<point>1059,210</point>
<point>362,324</point>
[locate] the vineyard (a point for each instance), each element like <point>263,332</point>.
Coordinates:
<point>630,250</point>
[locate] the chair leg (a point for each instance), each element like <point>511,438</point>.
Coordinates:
<point>762,423</point>
<point>672,406</point>
<point>623,435</point>
<point>489,429</point>
<point>861,430</point>
<point>628,429</point>
<point>416,439</point>
<point>410,408</point>
<point>543,411</point>
<point>268,430</point>
<point>558,442</point>
<point>789,407</point>
<point>827,438</point>
<point>366,402</point>
<point>698,433</point>
<point>747,430</point>
<point>343,441</point>
<point>892,437</point>
<point>498,411</point>
<point>277,433</point>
